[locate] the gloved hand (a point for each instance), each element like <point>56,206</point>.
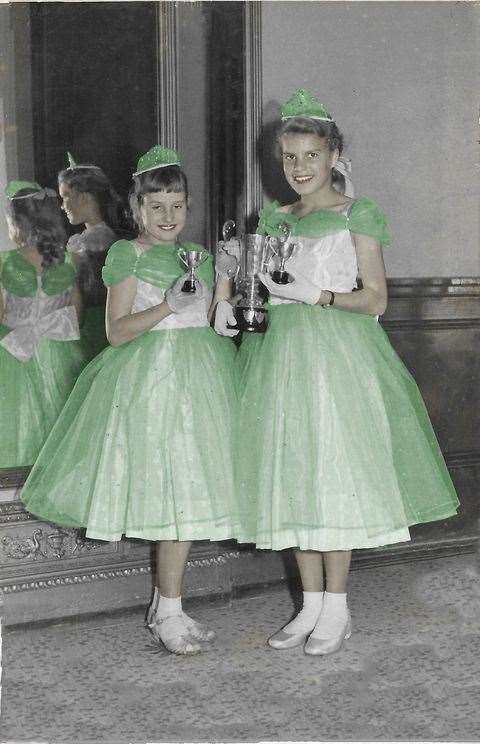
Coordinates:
<point>227,258</point>
<point>179,301</point>
<point>224,316</point>
<point>301,289</point>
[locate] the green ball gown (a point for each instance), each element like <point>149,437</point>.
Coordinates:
<point>40,356</point>
<point>143,447</point>
<point>335,449</point>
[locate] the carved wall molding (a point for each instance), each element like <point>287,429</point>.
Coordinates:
<point>53,582</point>
<point>49,542</point>
<point>168,89</point>
<point>253,112</point>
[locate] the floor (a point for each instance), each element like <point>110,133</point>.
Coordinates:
<point>411,671</point>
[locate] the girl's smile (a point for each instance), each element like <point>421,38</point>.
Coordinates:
<point>164,214</point>
<point>307,162</point>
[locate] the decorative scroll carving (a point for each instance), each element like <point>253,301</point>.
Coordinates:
<point>24,547</point>
<point>56,543</point>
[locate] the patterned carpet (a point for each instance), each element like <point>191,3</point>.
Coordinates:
<point>411,671</point>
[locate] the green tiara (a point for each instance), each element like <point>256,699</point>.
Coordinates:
<point>14,187</point>
<point>303,103</point>
<point>73,164</point>
<point>157,157</point>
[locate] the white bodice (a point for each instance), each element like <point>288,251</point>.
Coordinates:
<point>34,318</point>
<point>20,311</point>
<point>329,263</point>
<point>148,295</point>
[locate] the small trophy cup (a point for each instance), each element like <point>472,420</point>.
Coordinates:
<point>283,249</point>
<point>250,313</point>
<point>192,258</point>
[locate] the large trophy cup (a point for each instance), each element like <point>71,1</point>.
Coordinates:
<point>192,257</point>
<point>283,249</point>
<point>253,256</point>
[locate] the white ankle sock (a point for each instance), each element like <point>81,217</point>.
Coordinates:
<point>168,606</point>
<point>305,621</point>
<point>333,616</point>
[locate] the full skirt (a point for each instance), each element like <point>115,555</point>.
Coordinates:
<point>335,449</point>
<point>143,446</point>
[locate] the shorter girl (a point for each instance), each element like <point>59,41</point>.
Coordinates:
<point>143,447</point>
<point>89,199</point>
<point>40,357</point>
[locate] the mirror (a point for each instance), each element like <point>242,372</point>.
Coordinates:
<point>105,103</point>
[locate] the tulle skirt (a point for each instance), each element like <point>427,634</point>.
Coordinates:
<point>335,449</point>
<point>143,446</point>
<point>32,394</point>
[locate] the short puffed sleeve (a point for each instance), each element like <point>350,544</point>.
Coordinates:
<point>366,218</point>
<point>271,220</point>
<point>120,263</point>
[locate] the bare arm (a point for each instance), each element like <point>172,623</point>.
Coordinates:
<point>372,299</point>
<point>77,303</point>
<point>223,291</point>
<point>121,324</point>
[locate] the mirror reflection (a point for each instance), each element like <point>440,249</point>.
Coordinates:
<point>40,308</point>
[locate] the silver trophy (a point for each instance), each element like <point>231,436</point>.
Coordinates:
<point>283,249</point>
<point>250,313</point>
<point>192,260</point>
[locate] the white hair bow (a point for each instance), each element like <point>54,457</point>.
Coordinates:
<point>344,166</point>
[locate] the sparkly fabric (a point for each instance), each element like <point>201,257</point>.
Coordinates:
<point>89,249</point>
<point>365,218</point>
<point>143,446</point>
<point>335,447</point>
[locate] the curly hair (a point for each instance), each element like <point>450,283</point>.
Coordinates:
<point>171,178</point>
<point>39,223</point>
<point>92,180</point>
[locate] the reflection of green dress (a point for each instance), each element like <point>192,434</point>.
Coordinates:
<point>39,360</point>
<point>143,446</point>
<point>90,249</point>
<point>335,447</point>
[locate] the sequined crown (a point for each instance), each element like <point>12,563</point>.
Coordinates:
<point>14,187</point>
<point>303,103</point>
<point>157,157</point>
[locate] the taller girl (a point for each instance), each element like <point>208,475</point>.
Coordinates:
<point>337,451</point>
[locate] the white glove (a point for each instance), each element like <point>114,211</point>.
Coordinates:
<point>179,301</point>
<point>227,258</point>
<point>301,289</point>
<point>224,316</point>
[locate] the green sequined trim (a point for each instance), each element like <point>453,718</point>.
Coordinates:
<point>365,218</point>
<point>19,277</point>
<point>159,265</point>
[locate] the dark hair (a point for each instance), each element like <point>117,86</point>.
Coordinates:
<point>305,125</point>
<point>94,181</point>
<point>171,178</point>
<point>39,223</point>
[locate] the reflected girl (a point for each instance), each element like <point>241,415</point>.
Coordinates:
<point>89,199</point>
<point>40,356</point>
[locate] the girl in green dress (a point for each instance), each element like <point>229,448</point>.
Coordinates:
<point>89,199</point>
<point>143,446</point>
<point>336,450</point>
<point>40,356</point>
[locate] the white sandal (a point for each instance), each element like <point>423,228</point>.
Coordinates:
<point>173,632</point>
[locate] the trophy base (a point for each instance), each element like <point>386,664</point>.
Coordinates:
<point>281,277</point>
<point>251,319</point>
<point>188,286</point>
